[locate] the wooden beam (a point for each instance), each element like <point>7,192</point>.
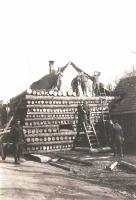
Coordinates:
<point>128,166</point>
<point>60,166</point>
<point>74,159</point>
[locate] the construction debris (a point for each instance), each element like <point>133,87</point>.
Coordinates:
<point>128,166</point>
<point>60,166</point>
<point>101,150</point>
<point>112,166</point>
<point>39,158</point>
<point>74,159</point>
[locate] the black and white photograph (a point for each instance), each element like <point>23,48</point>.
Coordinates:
<point>67,99</point>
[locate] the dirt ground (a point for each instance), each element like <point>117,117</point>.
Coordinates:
<point>120,180</point>
<point>32,180</point>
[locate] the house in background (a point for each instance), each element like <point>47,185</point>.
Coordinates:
<point>124,109</point>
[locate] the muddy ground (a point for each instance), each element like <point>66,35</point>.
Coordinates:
<point>120,180</point>
<point>32,180</point>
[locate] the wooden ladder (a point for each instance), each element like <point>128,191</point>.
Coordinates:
<point>104,104</point>
<point>90,133</point>
<point>105,115</point>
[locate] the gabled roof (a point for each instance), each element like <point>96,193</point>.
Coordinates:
<point>126,89</point>
<point>47,81</point>
<point>77,69</point>
<point>125,85</point>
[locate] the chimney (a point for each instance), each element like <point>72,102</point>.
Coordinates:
<point>51,66</point>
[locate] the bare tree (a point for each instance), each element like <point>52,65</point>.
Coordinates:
<point>130,73</point>
<point>111,86</point>
<point>127,73</point>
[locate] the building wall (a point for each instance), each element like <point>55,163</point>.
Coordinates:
<point>50,121</point>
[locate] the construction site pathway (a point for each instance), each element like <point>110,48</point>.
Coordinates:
<point>31,181</point>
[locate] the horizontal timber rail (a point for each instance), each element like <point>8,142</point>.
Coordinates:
<point>56,113</point>
<point>81,98</point>
<point>49,118</point>
<point>43,151</point>
<point>41,126</point>
<point>57,106</point>
<point>50,143</point>
<point>46,113</point>
<point>52,134</point>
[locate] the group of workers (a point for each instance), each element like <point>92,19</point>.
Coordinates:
<point>83,113</point>
<point>80,81</point>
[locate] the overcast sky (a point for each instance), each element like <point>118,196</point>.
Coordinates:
<point>94,34</point>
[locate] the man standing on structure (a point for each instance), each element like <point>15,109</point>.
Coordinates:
<point>117,138</point>
<point>59,79</point>
<point>17,137</point>
<point>96,84</point>
<point>86,108</point>
<point>82,121</point>
<point>84,82</point>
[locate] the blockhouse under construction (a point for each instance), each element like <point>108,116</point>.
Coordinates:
<point>48,116</point>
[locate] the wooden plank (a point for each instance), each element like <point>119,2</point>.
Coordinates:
<point>52,113</point>
<point>42,127</point>
<point>50,134</point>
<point>39,158</point>
<point>74,159</point>
<point>49,119</point>
<point>56,106</point>
<point>43,151</point>
<point>50,143</point>
<point>128,166</point>
<point>60,166</point>
<point>32,97</point>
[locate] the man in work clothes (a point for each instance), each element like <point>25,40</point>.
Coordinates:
<point>84,83</point>
<point>82,121</point>
<point>59,79</point>
<point>117,139</point>
<point>96,84</point>
<point>86,108</point>
<point>17,137</point>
